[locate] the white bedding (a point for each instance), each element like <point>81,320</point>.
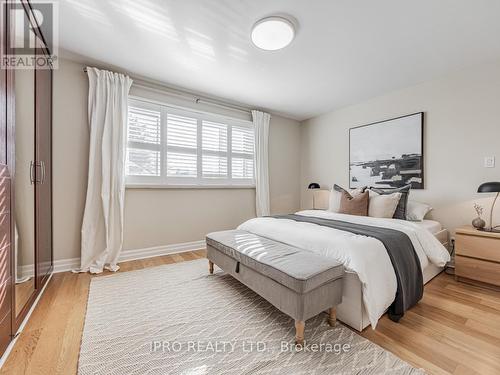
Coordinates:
<point>366,256</point>
<point>431,225</point>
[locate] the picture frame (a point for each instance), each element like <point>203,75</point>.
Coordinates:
<point>388,153</point>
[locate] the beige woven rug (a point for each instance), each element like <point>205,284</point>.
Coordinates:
<point>177,319</point>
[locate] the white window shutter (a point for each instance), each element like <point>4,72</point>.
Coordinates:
<point>242,150</point>
<point>182,142</point>
<point>243,140</point>
<point>214,136</point>
<point>214,141</point>
<point>144,125</point>
<point>242,168</point>
<point>172,146</point>
<point>144,137</point>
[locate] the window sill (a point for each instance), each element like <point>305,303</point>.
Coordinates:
<point>187,186</point>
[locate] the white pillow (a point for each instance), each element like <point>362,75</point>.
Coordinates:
<point>416,211</point>
<point>334,203</point>
<point>384,205</point>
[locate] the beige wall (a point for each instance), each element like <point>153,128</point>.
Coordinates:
<point>155,217</point>
<point>462,126</point>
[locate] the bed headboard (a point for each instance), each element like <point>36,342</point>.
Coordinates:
<point>321,199</point>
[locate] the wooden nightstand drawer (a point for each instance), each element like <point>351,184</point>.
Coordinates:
<point>475,269</point>
<point>478,247</point>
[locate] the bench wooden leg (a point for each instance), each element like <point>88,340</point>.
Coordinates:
<point>299,332</point>
<point>332,318</point>
<point>211,267</point>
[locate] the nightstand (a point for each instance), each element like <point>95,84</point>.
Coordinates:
<point>477,257</point>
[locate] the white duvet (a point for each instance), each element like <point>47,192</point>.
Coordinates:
<point>366,256</point>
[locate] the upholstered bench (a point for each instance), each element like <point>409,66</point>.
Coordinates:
<point>298,282</point>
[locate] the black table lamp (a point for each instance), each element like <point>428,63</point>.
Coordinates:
<point>314,185</point>
<point>490,187</point>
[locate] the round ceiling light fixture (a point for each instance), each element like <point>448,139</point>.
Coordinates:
<point>273,33</point>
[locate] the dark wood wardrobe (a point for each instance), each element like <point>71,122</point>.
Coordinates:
<point>26,259</point>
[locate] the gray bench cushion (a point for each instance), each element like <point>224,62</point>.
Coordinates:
<point>297,269</point>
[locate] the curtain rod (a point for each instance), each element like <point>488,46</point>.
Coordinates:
<point>186,95</point>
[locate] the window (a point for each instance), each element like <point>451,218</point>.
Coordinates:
<point>168,146</point>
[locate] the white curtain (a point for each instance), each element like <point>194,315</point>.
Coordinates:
<point>102,227</point>
<point>261,125</point>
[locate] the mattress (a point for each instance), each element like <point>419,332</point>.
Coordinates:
<point>431,225</point>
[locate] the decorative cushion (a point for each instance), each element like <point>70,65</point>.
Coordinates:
<point>336,194</point>
<point>383,206</point>
<point>401,209</point>
<point>357,205</point>
<point>416,211</point>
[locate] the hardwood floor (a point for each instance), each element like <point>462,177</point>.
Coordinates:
<point>455,329</point>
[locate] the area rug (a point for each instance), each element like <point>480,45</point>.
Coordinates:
<point>178,319</point>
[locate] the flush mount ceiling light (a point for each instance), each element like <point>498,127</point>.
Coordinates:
<point>273,33</point>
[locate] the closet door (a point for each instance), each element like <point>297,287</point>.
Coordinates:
<point>43,104</point>
<point>5,199</point>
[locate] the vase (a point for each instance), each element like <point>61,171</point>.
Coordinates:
<point>478,223</point>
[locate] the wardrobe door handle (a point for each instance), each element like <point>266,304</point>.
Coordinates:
<point>32,172</point>
<point>42,165</point>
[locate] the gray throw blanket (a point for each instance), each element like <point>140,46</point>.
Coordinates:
<point>403,257</point>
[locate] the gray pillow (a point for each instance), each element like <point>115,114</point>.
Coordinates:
<point>400,212</point>
<point>340,189</point>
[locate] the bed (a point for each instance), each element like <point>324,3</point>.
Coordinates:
<point>363,303</point>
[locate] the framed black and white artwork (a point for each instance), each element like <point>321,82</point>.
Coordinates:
<point>388,154</point>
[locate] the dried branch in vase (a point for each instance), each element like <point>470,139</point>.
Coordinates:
<point>478,223</point>
<point>479,209</point>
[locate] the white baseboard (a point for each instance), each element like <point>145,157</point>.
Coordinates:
<point>156,251</point>
<point>64,265</point>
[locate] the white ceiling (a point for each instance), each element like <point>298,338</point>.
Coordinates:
<point>345,50</point>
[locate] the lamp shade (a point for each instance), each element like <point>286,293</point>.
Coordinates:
<point>489,187</point>
<point>313,185</point>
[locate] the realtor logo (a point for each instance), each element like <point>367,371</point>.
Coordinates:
<point>33,35</point>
